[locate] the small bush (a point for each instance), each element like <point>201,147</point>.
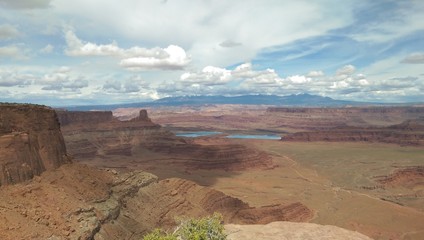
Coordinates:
<point>208,228</point>
<point>158,234</point>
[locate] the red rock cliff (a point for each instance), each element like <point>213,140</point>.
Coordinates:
<point>410,132</point>
<point>30,142</point>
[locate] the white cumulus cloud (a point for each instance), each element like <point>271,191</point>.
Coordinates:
<point>208,76</point>
<point>135,58</point>
<point>346,70</point>
<point>172,57</point>
<point>315,74</point>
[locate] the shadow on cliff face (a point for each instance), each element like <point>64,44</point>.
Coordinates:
<point>99,139</point>
<point>30,142</point>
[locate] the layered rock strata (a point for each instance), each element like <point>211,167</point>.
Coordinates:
<point>80,202</point>
<point>97,133</point>
<point>163,202</point>
<point>30,142</point>
<point>410,132</point>
<point>309,119</point>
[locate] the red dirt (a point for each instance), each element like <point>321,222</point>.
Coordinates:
<point>407,177</point>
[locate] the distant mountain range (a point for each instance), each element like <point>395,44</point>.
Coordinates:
<point>299,100</point>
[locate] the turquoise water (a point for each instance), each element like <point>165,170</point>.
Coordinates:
<point>240,136</point>
<point>245,136</point>
<point>196,134</point>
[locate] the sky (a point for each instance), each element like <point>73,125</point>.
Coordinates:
<point>82,52</point>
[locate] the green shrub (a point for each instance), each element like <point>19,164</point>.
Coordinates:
<point>158,234</point>
<point>208,228</point>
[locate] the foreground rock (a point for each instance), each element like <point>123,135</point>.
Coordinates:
<point>30,142</point>
<point>159,204</point>
<point>291,231</point>
<point>80,202</point>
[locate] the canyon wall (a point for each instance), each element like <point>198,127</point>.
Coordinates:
<point>326,118</point>
<point>413,111</point>
<point>133,137</point>
<point>95,133</point>
<point>410,132</point>
<point>30,142</point>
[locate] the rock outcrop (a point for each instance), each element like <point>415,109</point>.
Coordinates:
<point>97,133</point>
<point>291,231</point>
<point>409,177</point>
<point>30,142</point>
<point>80,202</point>
<point>162,202</point>
<point>411,132</point>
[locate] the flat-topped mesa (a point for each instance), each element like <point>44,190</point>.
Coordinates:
<point>100,120</point>
<point>30,142</point>
<point>410,132</point>
<point>350,110</point>
<point>81,117</point>
<point>312,119</point>
<point>99,133</point>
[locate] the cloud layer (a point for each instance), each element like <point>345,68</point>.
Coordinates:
<point>81,52</point>
<point>134,58</point>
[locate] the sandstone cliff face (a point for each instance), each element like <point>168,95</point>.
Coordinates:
<point>95,133</point>
<point>30,142</point>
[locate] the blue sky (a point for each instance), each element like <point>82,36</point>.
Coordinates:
<point>60,52</point>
